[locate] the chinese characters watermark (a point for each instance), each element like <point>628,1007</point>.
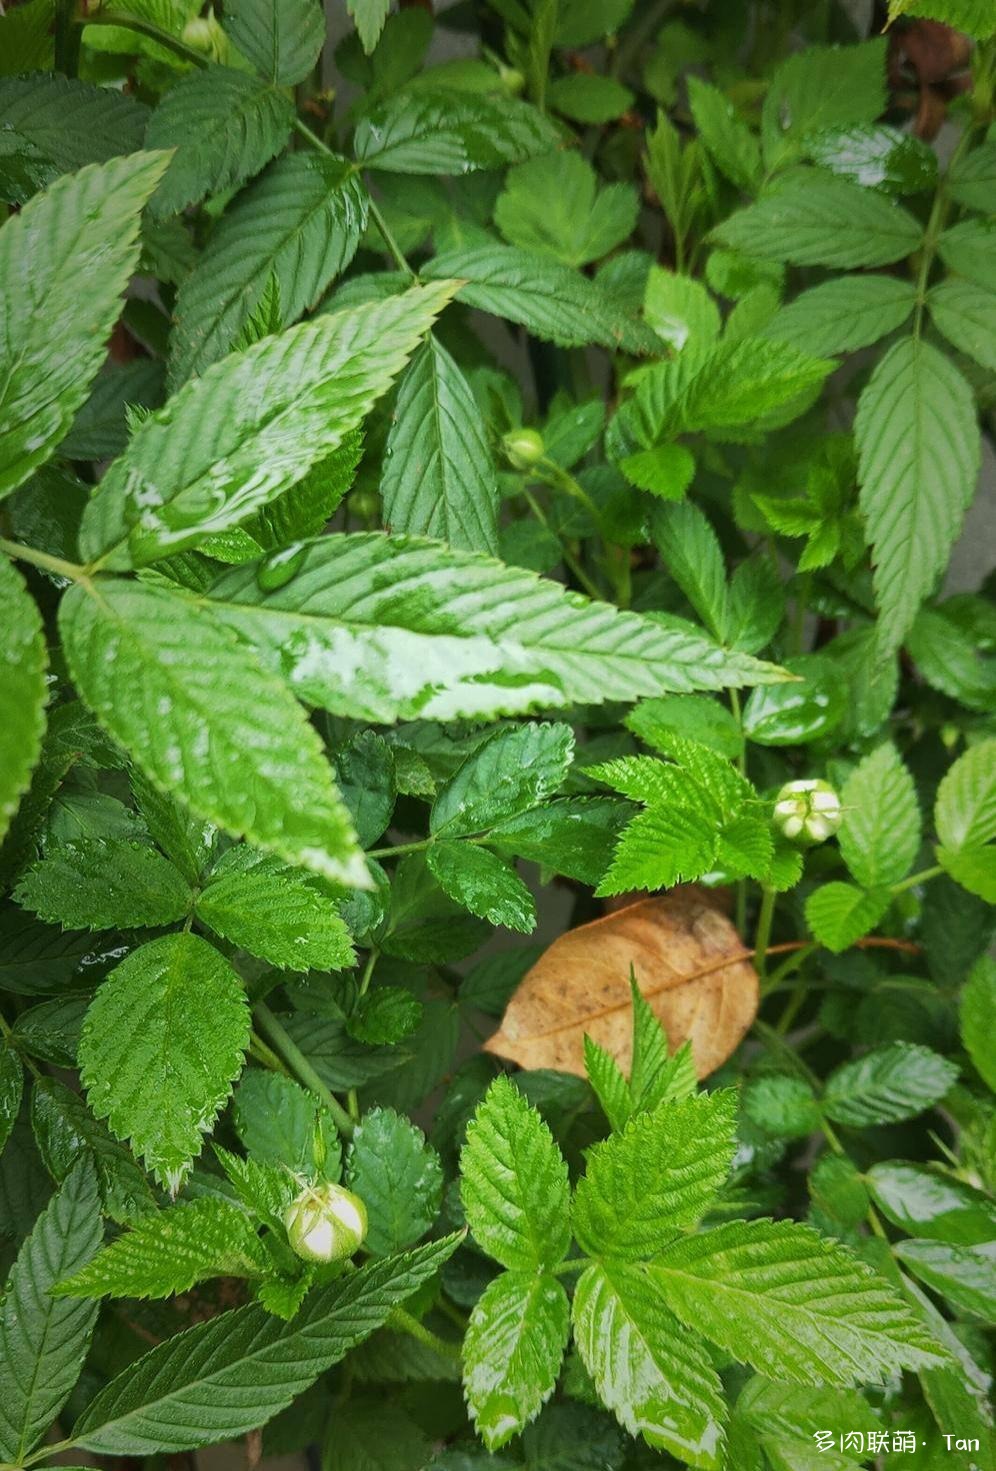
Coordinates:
<point>879,1442</point>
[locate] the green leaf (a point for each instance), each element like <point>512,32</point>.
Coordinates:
<point>514,1182</point>
<point>554,302</point>
<point>974,17</point>
<point>102,885</point>
<point>512,1351</point>
<point>430,131</point>
<point>656,1178</point>
<point>282,914</point>
<point>515,769</point>
<point>610,1087</point>
<point>483,883</point>
<point>821,87</point>
<point>553,206</point>
<point>438,479</point>
<point>11,1088</point>
<point>967,249</point>
<point>794,1304</point>
<point>43,1341</point>
<point>843,314</point>
<point>469,637</point>
<point>221,1378</point>
<point>572,835</point>
<point>680,310</point>
<point>978,1017</point>
<point>371,1432</point>
<point>918,448</point>
<point>838,913</point>
<point>54,125</point>
<point>731,144</point>
<point>224,126</point>
<point>369,17</point>
<point>782,1106</point>
<point>398,1177</point>
<point>925,1201</point>
<point>696,717</point>
<point>964,1275</point>
<point>169,1251</point>
<point>65,1130</point>
<point>887,1085</point>
<point>299,222</point>
<point>653,1375</point>
<point>692,555</point>
<point>163,1039</point>
<point>282,38</point>
<point>586,98</point>
<point>85,227</point>
<point>972,178</point>
<point>278,1122</point>
<point>880,833</point>
<point>276,410</point>
<point>966,314</point>
<point>227,736</point>
<point>965,818</point>
<point>23,662</point>
<point>818,220</point>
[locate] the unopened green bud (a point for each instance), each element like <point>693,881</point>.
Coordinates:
<point>523,447</point>
<point>204,33</point>
<point>326,1223</point>
<point>807,811</point>
<point>511,79</point>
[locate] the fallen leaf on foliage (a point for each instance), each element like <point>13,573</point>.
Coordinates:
<point>684,954</point>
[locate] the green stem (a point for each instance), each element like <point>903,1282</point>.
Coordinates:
<point>398,848</point>
<point>67,39</point>
<point>411,1325</point>
<point>923,877</point>
<point>763,933</point>
<point>265,1055</point>
<point>393,247</point>
<point>935,228</point>
<point>72,570</point>
<point>301,1067</point>
<point>792,1008</point>
<point>570,560</point>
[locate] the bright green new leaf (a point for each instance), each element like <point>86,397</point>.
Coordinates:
<point>282,38</point>
<point>398,1177</point>
<point>843,314</point>
<point>965,818</point>
<point>203,719</point>
<point>282,914</point>
<point>680,310</point>
<point>483,883</point>
<point>587,98</point>
<point>426,131</point>
<point>887,1085</point>
<point>102,885</point>
<point>978,1018</point>
<point>168,1251</point>
<point>513,770</point>
<point>466,637</point>
<point>23,662</point>
<point>692,555</point>
<point>554,302</point>
<point>369,16</point>
<point>299,222</point>
<point>226,1376</point>
<point>839,914</point>
<point>820,220</point>
<point>84,227</point>
<point>880,833</point>
<point>918,448</point>
<point>223,125</point>
<point>514,1182</point>
<point>733,147</point>
<point>163,1039</point>
<point>656,1178</point>
<point>652,1373</point>
<point>274,411</point>
<point>512,1352</point>
<point>438,478</point>
<point>44,1340</point>
<point>796,1305</point>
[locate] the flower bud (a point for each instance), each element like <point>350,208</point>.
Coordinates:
<point>523,447</point>
<point>204,33</point>
<point>511,79</point>
<point>807,811</point>
<point>326,1223</point>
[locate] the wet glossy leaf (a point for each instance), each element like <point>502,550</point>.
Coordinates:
<point>794,713</point>
<point>926,1201</point>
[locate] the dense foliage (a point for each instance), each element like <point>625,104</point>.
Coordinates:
<point>469,473</point>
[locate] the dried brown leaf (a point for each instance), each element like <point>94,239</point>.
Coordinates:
<point>688,961</point>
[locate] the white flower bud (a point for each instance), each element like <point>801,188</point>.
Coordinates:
<point>807,811</point>
<point>523,447</point>
<point>326,1223</point>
